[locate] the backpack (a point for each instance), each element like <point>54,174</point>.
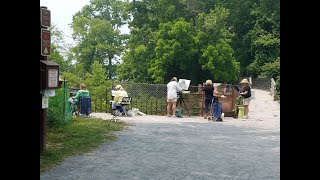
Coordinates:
<point>179,112</point>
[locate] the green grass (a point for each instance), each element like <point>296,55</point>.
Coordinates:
<point>79,136</point>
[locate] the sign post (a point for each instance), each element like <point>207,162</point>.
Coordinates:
<point>45,22</point>
<point>45,42</point>
<point>45,17</point>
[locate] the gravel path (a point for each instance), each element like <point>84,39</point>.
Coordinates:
<point>158,147</point>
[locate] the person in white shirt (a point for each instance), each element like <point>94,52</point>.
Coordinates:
<point>172,93</point>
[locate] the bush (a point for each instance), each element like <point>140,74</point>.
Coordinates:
<point>56,116</point>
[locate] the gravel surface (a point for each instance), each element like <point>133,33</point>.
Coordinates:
<point>160,147</point>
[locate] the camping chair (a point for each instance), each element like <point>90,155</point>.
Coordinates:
<point>85,105</point>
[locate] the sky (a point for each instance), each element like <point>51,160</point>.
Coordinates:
<point>62,12</point>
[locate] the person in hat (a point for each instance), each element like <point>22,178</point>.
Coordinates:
<point>120,93</point>
<point>245,92</point>
<point>172,95</point>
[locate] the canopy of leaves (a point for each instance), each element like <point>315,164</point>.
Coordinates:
<point>194,39</point>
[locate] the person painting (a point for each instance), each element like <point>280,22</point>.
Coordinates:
<point>245,92</point>
<point>209,94</point>
<point>120,93</point>
<point>172,95</point>
<point>83,92</point>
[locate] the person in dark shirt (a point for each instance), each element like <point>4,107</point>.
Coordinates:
<point>209,94</point>
<point>246,94</point>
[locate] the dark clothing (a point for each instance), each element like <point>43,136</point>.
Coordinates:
<point>119,107</point>
<point>207,104</point>
<point>85,105</point>
<point>246,88</point>
<point>208,90</point>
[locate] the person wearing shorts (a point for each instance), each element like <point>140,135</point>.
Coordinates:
<point>172,95</point>
<point>246,94</point>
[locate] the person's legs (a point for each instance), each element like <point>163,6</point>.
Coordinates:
<point>168,108</point>
<point>246,103</point>
<point>206,107</point>
<point>246,109</point>
<point>174,104</point>
<point>207,104</point>
<point>119,107</point>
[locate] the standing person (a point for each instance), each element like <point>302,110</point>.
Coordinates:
<point>245,92</point>
<point>209,94</point>
<point>172,94</point>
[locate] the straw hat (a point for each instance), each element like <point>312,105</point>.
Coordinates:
<point>118,86</point>
<point>174,79</point>
<point>244,81</point>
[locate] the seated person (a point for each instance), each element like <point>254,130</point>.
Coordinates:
<point>83,92</point>
<point>119,94</point>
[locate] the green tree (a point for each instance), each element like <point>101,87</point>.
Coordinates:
<point>76,76</point>
<point>136,60</point>
<point>95,28</point>
<point>250,20</point>
<point>229,39</point>
<point>271,70</point>
<point>217,54</point>
<point>59,49</point>
<point>265,35</point>
<point>97,77</point>
<point>97,83</point>
<point>175,52</point>
<point>267,50</point>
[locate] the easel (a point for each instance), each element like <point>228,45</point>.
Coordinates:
<point>180,101</point>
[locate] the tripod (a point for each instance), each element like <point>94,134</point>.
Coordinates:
<point>180,101</point>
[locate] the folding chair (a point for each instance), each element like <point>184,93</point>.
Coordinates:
<point>85,105</point>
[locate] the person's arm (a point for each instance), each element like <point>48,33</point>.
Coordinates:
<point>214,91</point>
<point>77,96</point>
<point>217,94</point>
<point>178,87</point>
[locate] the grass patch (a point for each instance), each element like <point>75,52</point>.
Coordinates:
<point>79,136</point>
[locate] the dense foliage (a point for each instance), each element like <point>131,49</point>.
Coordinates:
<point>193,39</point>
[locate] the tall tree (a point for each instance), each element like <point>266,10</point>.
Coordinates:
<point>175,51</point>
<point>217,54</point>
<point>265,36</point>
<point>251,20</point>
<point>225,39</point>
<point>96,29</point>
<point>59,49</point>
